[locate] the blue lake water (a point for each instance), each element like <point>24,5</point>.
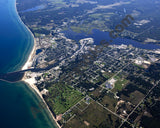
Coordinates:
<point>98,36</point>
<point>17,99</point>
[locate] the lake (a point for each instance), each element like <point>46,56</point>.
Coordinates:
<point>17,100</point>
<point>98,36</point>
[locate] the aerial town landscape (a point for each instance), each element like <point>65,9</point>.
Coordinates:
<point>90,84</point>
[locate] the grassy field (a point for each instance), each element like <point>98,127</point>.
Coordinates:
<point>120,84</point>
<point>62,97</point>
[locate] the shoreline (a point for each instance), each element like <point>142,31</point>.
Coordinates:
<point>27,64</point>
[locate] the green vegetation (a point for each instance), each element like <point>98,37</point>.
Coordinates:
<point>104,16</point>
<point>139,66</point>
<point>78,29</point>
<point>45,74</point>
<point>132,83</point>
<point>93,21</point>
<point>41,31</point>
<point>107,75</point>
<point>37,34</point>
<point>62,97</point>
<point>120,84</point>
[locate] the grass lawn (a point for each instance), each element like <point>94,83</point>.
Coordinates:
<point>120,84</point>
<point>62,97</point>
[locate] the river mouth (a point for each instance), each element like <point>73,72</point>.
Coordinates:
<point>17,99</point>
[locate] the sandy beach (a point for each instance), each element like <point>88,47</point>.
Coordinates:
<point>31,81</point>
<point>28,64</point>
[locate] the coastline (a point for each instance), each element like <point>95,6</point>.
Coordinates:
<point>28,63</point>
<point>36,90</point>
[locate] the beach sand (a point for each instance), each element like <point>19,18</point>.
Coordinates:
<point>31,81</point>
<point>29,62</point>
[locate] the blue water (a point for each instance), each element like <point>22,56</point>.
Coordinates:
<point>38,51</point>
<point>17,99</point>
<point>98,36</point>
